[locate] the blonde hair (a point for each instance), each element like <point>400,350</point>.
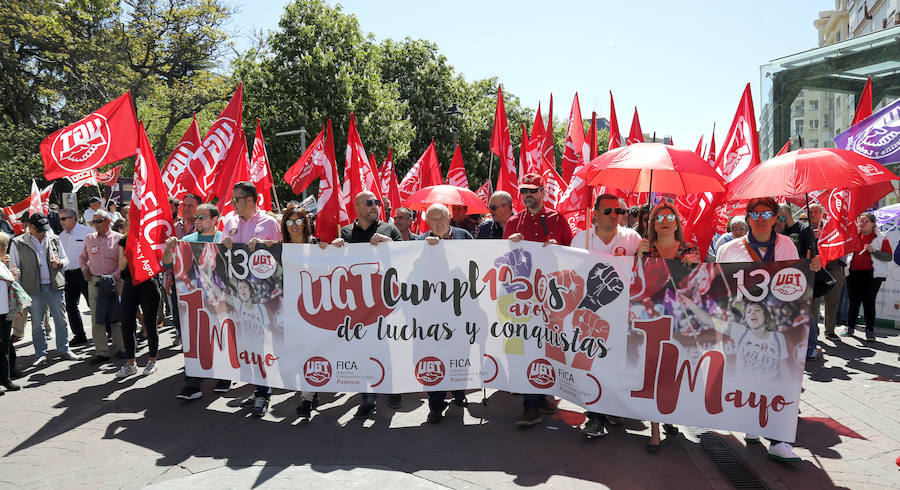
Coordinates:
<point>4,243</point>
<point>651,232</point>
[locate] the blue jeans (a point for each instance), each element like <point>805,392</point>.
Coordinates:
<point>39,303</point>
<point>813,333</point>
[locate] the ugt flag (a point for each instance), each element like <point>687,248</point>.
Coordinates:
<point>877,136</point>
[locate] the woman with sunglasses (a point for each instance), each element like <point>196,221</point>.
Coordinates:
<point>665,240</point>
<point>762,244</point>
<point>295,228</point>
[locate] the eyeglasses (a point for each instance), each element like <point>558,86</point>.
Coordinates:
<point>665,217</point>
<point>294,222</point>
<point>618,211</point>
<point>63,218</point>
<point>234,200</point>
<point>763,215</point>
<point>494,207</point>
<point>529,191</point>
<point>98,221</point>
<point>373,202</point>
<point>201,217</point>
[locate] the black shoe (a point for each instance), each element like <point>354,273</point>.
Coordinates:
<point>9,385</point>
<point>76,341</point>
<point>222,386</point>
<point>364,411</point>
<point>435,416</point>
<point>98,360</point>
<point>460,401</point>
<point>260,406</point>
<point>395,401</point>
<point>594,428</point>
<point>652,448</point>
<point>189,393</point>
<point>832,336</point>
<point>670,429</point>
<point>305,409</point>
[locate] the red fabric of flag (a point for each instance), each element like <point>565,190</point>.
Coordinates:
<point>456,174</point>
<point>150,217</point>
<point>359,175</point>
<point>864,106</point>
<point>106,135</point>
<point>261,171</point>
<point>15,212</point>
<point>179,160</point>
<point>636,135</point>
<point>501,145</point>
<point>615,138</point>
<point>574,151</point>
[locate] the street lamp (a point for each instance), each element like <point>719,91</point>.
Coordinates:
<point>302,133</point>
<point>454,114</point>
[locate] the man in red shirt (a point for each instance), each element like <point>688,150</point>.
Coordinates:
<point>537,224</point>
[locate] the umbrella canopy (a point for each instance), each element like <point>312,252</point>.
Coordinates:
<point>652,167</point>
<point>807,170</point>
<point>448,195</point>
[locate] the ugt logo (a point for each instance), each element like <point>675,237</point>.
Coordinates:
<point>541,374</point>
<point>430,371</point>
<point>317,371</point>
<point>84,146</point>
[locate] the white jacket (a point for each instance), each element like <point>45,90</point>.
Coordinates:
<point>880,267</point>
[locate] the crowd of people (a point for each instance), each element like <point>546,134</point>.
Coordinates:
<point>48,269</point>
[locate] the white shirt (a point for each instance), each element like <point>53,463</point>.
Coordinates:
<point>72,242</point>
<point>88,215</point>
<point>114,216</point>
<point>735,251</point>
<point>625,242</point>
<point>40,249</point>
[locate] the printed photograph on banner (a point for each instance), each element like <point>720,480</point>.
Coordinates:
<point>383,319</point>
<point>723,342</point>
<point>230,303</point>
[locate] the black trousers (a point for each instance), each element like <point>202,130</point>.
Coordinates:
<point>436,398</point>
<point>7,350</point>
<point>145,295</point>
<point>862,289</point>
<point>75,287</point>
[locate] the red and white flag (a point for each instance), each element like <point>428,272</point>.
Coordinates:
<point>636,135</point>
<point>615,137</point>
<point>574,151</point>
<point>359,175</point>
<point>533,162</point>
<point>548,135</point>
<point>235,168</point>
<point>699,149</point>
<point>501,145</point>
<point>34,200</point>
<point>390,185</point>
<point>426,172</point>
<point>15,212</point>
<point>109,177</point>
<point>456,174</point>
<point>260,171</point>
<point>202,170</point>
<point>107,135</point>
<point>318,162</point>
<point>484,192</point>
<point>554,185</point>
<point>81,179</point>
<point>179,160</point>
<point>150,217</point>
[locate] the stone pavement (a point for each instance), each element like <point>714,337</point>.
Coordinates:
<point>75,425</point>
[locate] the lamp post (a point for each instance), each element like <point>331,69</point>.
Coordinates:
<point>302,133</point>
<point>454,114</point>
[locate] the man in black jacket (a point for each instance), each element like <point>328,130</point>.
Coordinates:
<point>501,207</point>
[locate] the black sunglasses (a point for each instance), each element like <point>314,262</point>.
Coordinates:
<point>529,191</point>
<point>618,211</point>
<point>373,202</point>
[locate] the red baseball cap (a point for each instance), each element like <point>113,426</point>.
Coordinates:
<point>531,181</point>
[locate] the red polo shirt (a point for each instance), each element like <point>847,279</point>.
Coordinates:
<point>530,226</point>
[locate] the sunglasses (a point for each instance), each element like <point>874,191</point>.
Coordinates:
<point>665,217</point>
<point>763,215</point>
<point>201,217</point>
<point>294,222</point>
<point>529,191</point>
<point>373,202</point>
<point>234,200</point>
<point>63,218</point>
<point>618,211</point>
<point>97,221</point>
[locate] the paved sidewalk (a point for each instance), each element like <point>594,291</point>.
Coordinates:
<point>75,425</point>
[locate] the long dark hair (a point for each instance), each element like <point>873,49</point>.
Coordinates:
<point>295,212</point>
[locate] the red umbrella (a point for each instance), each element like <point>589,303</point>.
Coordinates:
<point>810,169</point>
<point>652,167</point>
<point>448,195</point>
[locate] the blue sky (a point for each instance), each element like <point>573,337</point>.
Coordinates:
<point>683,64</point>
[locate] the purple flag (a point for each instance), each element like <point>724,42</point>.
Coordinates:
<point>877,136</point>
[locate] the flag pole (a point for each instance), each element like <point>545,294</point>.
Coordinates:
<point>277,204</point>
<point>491,169</point>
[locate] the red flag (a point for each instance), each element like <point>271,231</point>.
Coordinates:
<point>592,137</point>
<point>554,185</point>
<point>318,162</point>
<point>110,177</point>
<point>202,170</point>
<point>615,138</point>
<point>501,145</point>
<point>711,154</point>
<point>456,174</point>
<point>636,135</point>
<point>699,150</point>
<point>179,159</point>
<point>358,172</point>
<point>260,171</point>
<point>15,212</point>
<point>548,135</point>
<point>107,135</point>
<point>390,187</point>
<point>864,106</point>
<point>150,217</point>
<point>573,153</point>
<point>425,173</point>
<point>81,179</point>
<point>34,200</point>
<point>535,155</point>
<point>235,168</point>
<point>484,192</point>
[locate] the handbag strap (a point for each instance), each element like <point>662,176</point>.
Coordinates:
<point>753,255</point>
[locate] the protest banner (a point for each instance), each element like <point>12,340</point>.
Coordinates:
<point>717,345</point>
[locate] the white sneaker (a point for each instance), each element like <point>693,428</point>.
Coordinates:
<point>150,368</point>
<point>751,439</point>
<point>126,371</point>
<point>782,452</point>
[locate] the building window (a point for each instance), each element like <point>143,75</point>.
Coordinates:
<point>814,124</point>
<point>811,143</point>
<point>798,126</point>
<point>813,105</point>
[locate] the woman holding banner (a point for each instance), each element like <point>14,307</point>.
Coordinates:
<point>761,244</point>
<point>665,240</point>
